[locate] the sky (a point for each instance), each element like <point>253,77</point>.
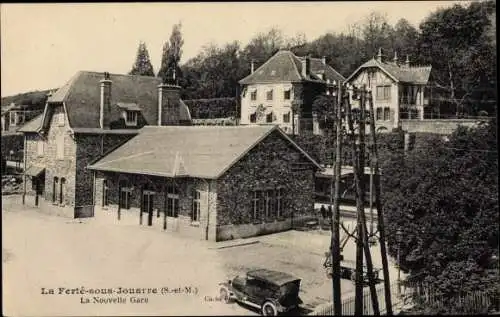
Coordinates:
<point>44,45</point>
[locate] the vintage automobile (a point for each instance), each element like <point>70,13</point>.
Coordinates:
<point>272,292</point>
<point>348,271</point>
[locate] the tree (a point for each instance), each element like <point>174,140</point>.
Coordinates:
<point>456,41</point>
<point>142,65</point>
<point>444,197</point>
<point>171,55</point>
<point>404,39</point>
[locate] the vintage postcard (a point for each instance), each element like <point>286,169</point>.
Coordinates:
<point>254,158</point>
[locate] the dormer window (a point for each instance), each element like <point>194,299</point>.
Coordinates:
<point>130,112</point>
<point>131,118</point>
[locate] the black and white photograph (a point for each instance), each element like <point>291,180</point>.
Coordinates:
<point>283,158</point>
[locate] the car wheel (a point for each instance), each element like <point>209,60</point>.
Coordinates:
<point>224,295</point>
<point>269,309</point>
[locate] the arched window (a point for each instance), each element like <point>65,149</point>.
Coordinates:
<point>62,190</point>
<point>55,186</point>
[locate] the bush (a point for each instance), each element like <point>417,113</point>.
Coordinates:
<point>213,108</point>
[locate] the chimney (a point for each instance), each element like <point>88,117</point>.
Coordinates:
<point>323,59</point>
<point>252,66</point>
<point>306,66</point>
<point>407,62</point>
<point>105,106</point>
<point>395,59</point>
<point>169,97</point>
<point>380,56</point>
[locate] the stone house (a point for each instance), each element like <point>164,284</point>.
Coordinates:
<point>282,90</point>
<point>400,91</point>
<point>90,115</point>
<point>211,182</point>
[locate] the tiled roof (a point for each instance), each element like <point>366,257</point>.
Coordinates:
<point>81,96</point>
<point>33,125</point>
<point>284,66</point>
<point>412,74</point>
<point>195,151</point>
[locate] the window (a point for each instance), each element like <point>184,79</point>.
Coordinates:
<point>40,147</point>
<point>55,186</point>
<point>383,92</point>
<point>387,113</point>
<point>269,95</point>
<point>16,118</point>
<point>286,117</point>
<point>12,116</point>
<point>60,146</point>
<point>253,95</point>
<point>131,118</point>
<point>287,95</point>
<point>62,190</point>
<point>195,213</point>
<point>269,117</point>
<point>253,118</point>
<point>379,114</point>
<point>255,204</point>
<point>125,193</point>
<point>105,192</point>
<point>172,201</point>
<point>279,202</point>
<point>269,199</point>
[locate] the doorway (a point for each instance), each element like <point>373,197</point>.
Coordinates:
<point>147,205</point>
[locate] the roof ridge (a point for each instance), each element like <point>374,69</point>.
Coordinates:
<point>116,74</point>
<point>292,55</point>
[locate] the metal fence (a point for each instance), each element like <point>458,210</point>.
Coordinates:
<point>398,299</point>
<point>408,294</point>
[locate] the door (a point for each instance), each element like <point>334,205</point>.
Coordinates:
<point>147,205</point>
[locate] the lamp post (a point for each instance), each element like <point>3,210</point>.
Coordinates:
<point>399,237</point>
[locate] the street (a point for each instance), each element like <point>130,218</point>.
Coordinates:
<point>48,260</point>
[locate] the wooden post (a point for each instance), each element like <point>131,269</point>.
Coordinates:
<point>378,206</point>
<point>366,245</point>
<point>358,297</point>
<point>335,197</point>
<point>165,192</point>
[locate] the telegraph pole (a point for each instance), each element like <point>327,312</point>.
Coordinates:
<point>378,206</point>
<point>358,300</point>
<point>335,196</point>
<point>366,245</point>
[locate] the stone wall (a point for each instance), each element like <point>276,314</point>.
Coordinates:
<point>266,166</point>
<point>439,126</point>
<point>185,187</point>
<point>91,147</point>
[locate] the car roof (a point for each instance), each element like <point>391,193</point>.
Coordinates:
<point>274,277</point>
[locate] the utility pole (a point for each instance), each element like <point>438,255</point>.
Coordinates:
<point>358,297</point>
<point>366,245</point>
<point>335,196</point>
<point>380,216</point>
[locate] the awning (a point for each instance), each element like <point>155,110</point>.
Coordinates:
<point>128,106</point>
<point>35,171</point>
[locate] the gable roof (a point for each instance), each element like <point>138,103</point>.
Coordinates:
<point>194,151</point>
<point>284,66</point>
<point>81,96</point>
<point>412,74</point>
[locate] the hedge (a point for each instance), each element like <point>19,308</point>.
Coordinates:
<point>213,108</point>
